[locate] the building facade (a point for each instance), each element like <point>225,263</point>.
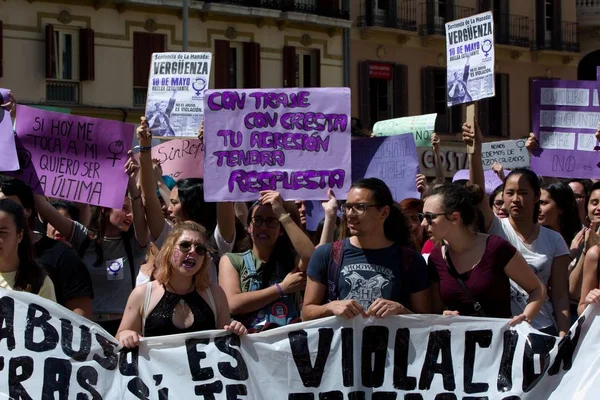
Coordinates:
<point>398,59</point>
<point>588,17</point>
<point>93,56</point>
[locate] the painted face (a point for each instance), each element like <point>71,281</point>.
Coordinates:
<point>9,237</point>
<point>264,227</point>
<point>52,233</point>
<point>594,206</point>
<point>175,207</point>
<point>519,197</point>
<point>121,219</point>
<point>362,215</point>
<point>549,212</point>
<point>437,225</point>
<point>498,206</point>
<point>302,210</point>
<point>189,253</point>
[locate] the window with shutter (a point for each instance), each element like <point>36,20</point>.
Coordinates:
<point>307,68</point>
<point>400,96</point>
<point>493,113</point>
<point>62,65</point>
<point>144,44</point>
<point>87,69</point>
<point>222,64</point>
<point>434,97</point>
<point>289,66</point>
<point>251,65</point>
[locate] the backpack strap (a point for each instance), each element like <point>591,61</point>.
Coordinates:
<point>251,268</point>
<point>336,254</point>
<point>145,307</point>
<point>211,303</point>
<point>129,251</point>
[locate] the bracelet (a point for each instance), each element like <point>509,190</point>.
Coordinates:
<point>284,217</point>
<point>279,288</point>
<point>145,149</point>
<point>139,196</point>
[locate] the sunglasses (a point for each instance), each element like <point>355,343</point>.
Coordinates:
<point>270,222</point>
<point>199,248</point>
<point>498,203</point>
<point>429,217</point>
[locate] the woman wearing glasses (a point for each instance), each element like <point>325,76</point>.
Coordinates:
<point>470,273</point>
<point>181,299</point>
<point>263,284</point>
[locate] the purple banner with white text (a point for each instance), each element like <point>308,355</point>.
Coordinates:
<point>295,141</point>
<point>565,117</point>
<point>73,158</point>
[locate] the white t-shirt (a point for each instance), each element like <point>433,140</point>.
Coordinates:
<point>539,255</point>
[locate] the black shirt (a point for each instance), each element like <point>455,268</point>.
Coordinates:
<point>68,273</point>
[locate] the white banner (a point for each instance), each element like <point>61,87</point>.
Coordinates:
<point>176,86</point>
<point>470,59</point>
<point>48,352</point>
<point>509,153</point>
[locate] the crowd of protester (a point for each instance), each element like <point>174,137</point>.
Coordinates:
<point>168,262</point>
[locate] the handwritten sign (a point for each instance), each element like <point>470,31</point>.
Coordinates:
<point>296,141</point>
<point>470,59</point>
<point>565,117</point>
<point>180,158</point>
<point>73,158</point>
<point>8,152</point>
<point>176,86</point>
<point>509,153</point>
<point>421,126</point>
<point>393,159</point>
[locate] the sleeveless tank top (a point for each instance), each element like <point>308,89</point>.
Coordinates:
<point>160,321</point>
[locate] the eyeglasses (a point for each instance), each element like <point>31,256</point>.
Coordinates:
<point>498,203</point>
<point>429,217</point>
<point>358,208</point>
<point>186,247</point>
<point>270,222</point>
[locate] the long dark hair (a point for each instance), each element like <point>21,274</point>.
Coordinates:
<point>193,206</point>
<point>395,226</point>
<point>99,220</point>
<point>534,182</point>
<point>30,276</point>
<point>569,222</point>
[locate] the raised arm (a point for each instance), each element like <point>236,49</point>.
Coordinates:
<point>476,169</point>
<point>437,160</point>
<point>138,213</point>
<point>589,287</point>
<point>226,220</point>
<point>330,207</point>
<point>64,225</point>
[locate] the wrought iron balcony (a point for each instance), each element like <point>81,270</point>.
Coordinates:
<point>62,92</point>
<point>588,12</point>
<point>331,9</point>
<point>401,14</point>
<point>563,40</point>
<point>435,14</point>
<point>512,30</point>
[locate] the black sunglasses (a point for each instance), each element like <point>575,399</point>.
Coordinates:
<point>199,248</point>
<point>429,217</point>
<point>271,222</point>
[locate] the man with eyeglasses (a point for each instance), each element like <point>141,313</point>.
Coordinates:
<point>372,271</point>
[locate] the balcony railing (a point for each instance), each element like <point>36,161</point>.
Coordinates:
<point>434,16</point>
<point>315,7</point>
<point>563,40</point>
<point>588,6</point>
<point>512,30</point>
<point>62,92</point>
<point>401,15</point>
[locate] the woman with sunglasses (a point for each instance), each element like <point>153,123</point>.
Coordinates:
<point>497,202</point>
<point>470,273</point>
<point>263,284</point>
<point>181,299</point>
<point>545,250</point>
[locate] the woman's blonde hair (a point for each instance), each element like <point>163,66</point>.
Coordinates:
<point>164,266</point>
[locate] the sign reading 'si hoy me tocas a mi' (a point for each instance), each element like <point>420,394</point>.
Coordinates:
<point>295,141</point>
<point>73,158</point>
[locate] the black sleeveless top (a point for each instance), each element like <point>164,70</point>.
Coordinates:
<point>160,321</point>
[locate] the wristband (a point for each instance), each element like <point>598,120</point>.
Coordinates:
<point>139,196</point>
<point>279,288</point>
<point>284,217</point>
<point>145,149</point>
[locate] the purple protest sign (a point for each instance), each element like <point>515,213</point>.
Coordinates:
<point>73,158</point>
<point>8,151</point>
<point>565,117</point>
<point>295,141</point>
<point>598,73</point>
<point>491,178</point>
<point>392,159</point>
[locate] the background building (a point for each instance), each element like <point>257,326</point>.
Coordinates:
<point>93,56</point>
<point>588,17</point>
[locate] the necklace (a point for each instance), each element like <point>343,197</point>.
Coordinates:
<point>180,294</point>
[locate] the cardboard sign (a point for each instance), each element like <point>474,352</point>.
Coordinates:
<point>296,141</point>
<point>8,151</point>
<point>421,126</point>
<point>509,153</point>
<point>180,158</point>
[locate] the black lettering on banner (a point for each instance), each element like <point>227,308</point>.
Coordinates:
<point>413,396</point>
<point>50,334</point>
<point>87,377</point>
<point>348,357</point>
<point>125,367</point>
<point>483,338</point>
<point>57,374</point>
<point>384,396</point>
<point>225,345</point>
<point>475,398</point>
<point>374,342</point>
<point>194,359</point>
<point>566,349</point>
<point>232,391</point>
<point>208,391</point>
<point>110,360</point>
<point>311,376</point>
<point>7,321</point>
<point>445,396</point>
<point>333,395</point>
<point>540,345</point>
<point>401,379</point>
<point>439,341</point>
<point>66,341</point>
<point>360,395</point>
<point>15,389</point>
<point>508,354</point>
<point>138,388</point>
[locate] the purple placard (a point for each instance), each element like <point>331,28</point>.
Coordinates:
<point>393,159</point>
<point>565,117</point>
<point>8,151</point>
<point>491,178</point>
<point>295,141</point>
<point>598,73</point>
<point>73,158</point>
